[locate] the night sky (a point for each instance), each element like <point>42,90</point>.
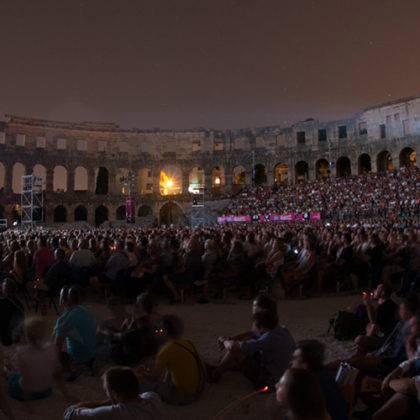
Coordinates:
<point>205,63</point>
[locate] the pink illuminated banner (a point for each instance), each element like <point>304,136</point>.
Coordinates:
<point>271,217</point>
<point>233,219</point>
<point>315,216</point>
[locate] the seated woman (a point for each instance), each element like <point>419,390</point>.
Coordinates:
<point>302,268</point>
<point>299,392</point>
<point>37,365</point>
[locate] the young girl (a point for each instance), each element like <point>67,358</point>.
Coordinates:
<point>37,364</point>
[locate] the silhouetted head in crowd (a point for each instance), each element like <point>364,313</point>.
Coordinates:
<point>309,354</point>
<point>69,296</point>
<point>263,303</point>
<point>121,384</point>
<point>172,326</point>
<point>299,391</point>
<point>264,321</point>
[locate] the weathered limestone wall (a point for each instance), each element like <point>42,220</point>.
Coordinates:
<point>386,134</point>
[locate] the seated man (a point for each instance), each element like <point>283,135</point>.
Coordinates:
<point>310,354</point>
<point>59,273</point>
<point>382,319</point>
<point>391,353</point>
<point>265,357</point>
<point>404,381</point>
<point>180,359</point>
<point>125,403</point>
<point>75,327</point>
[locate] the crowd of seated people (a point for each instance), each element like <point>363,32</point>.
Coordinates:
<point>312,256</point>
<point>359,196</point>
<point>373,242</point>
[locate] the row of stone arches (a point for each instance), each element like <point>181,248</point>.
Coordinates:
<point>343,166</point>
<point>170,213</point>
<point>80,214</point>
<point>171,180</point>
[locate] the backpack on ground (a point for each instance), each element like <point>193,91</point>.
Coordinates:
<point>347,325</point>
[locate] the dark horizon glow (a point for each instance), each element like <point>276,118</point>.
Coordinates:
<point>212,63</point>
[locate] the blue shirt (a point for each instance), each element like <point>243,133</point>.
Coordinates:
<point>275,349</point>
<point>77,327</point>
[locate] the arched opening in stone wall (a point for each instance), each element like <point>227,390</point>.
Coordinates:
<point>196,179</point>
<point>41,171</point>
<point>217,179</point>
<point>322,169</point>
<point>144,181</point>
<point>60,214</point>
<point>238,178</point>
<point>170,214</point>
<point>102,182</point>
<point>384,161</point>
<point>260,174</point>
<point>343,167</point>
<point>364,164</point>
<point>2,176</point>
<point>80,179</point>
<point>80,214</point>
<point>38,214</point>
<point>170,180</point>
<point>238,175</point>
<point>101,215</point>
<point>60,179</point>
<point>18,172</point>
<point>122,181</point>
<point>301,171</point>
<point>144,211</point>
<point>281,173</point>
<point>2,216</point>
<point>120,213</point>
<point>408,158</point>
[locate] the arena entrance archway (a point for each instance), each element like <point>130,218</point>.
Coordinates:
<point>120,213</point>
<point>217,179</point>
<point>408,158</point>
<point>260,174</point>
<point>343,166</point>
<point>322,170</point>
<point>281,173</point>
<point>170,213</point>
<point>364,164</point>
<point>144,211</point>
<point>80,214</point>
<point>101,215</point>
<point>60,214</point>
<point>384,161</point>
<point>301,171</point>
<point>196,179</point>
<point>102,181</point>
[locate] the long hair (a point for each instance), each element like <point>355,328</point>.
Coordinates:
<point>303,395</point>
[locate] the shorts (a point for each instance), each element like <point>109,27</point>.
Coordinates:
<point>15,391</point>
<point>256,373</point>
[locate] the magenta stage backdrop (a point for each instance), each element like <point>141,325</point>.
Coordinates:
<point>271,217</point>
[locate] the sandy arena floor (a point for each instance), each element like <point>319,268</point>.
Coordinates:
<point>305,318</point>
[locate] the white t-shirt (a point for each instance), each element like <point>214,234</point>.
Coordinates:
<point>37,367</point>
<point>150,407</point>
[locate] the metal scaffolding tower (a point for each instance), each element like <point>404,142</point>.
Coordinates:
<point>198,208</point>
<point>31,201</point>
